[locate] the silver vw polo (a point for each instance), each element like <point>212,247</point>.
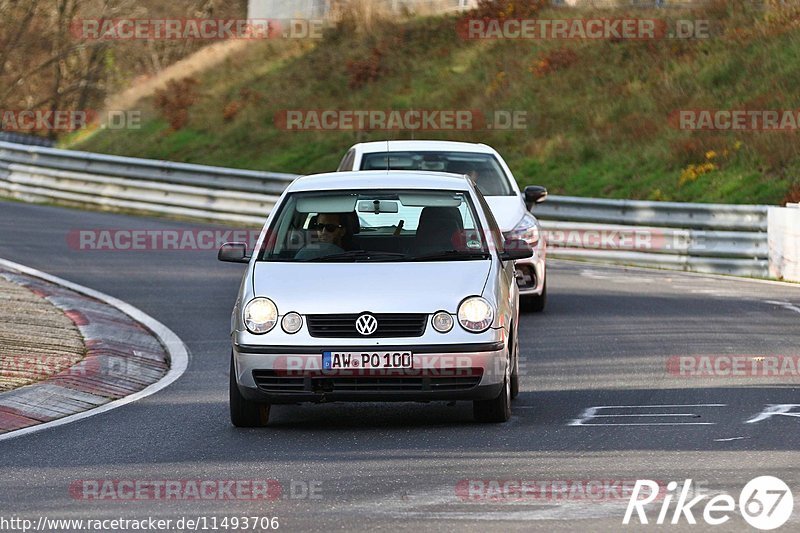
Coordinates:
<point>376,286</point>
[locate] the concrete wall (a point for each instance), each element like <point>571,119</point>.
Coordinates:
<point>285,9</point>
<point>625,3</point>
<point>784,242</point>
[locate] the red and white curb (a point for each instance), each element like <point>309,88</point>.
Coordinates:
<point>130,355</point>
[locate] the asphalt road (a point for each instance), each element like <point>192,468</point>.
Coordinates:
<point>605,342</point>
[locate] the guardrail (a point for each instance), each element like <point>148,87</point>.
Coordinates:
<point>22,138</point>
<point>729,239</point>
<point>140,185</point>
<point>660,214</point>
<point>714,238</point>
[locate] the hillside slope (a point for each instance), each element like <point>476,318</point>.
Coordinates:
<point>600,112</point>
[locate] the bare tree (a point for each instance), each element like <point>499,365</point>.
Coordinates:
<point>46,65</point>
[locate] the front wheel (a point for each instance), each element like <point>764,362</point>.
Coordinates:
<point>245,413</point>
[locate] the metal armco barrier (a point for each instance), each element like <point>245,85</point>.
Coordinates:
<point>661,214</point>
<point>729,239</point>
<point>22,138</point>
<point>713,238</point>
<point>220,194</point>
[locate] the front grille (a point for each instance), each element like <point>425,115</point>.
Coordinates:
<point>282,381</point>
<point>389,325</point>
<point>271,381</point>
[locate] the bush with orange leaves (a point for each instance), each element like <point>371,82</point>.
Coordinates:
<point>231,110</point>
<point>557,59</point>
<point>366,70</point>
<point>175,100</point>
<point>793,196</point>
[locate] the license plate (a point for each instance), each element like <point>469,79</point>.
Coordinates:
<point>366,360</point>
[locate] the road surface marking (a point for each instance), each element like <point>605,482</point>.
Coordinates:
<point>593,412</point>
<point>178,353</point>
<point>783,409</point>
<point>785,305</point>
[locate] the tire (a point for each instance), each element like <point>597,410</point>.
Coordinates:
<point>515,371</point>
<point>497,410</point>
<point>245,413</point>
<point>535,304</point>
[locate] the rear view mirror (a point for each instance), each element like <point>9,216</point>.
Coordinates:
<point>233,252</point>
<point>534,194</point>
<point>377,206</point>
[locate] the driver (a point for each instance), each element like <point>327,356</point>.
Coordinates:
<point>330,231</point>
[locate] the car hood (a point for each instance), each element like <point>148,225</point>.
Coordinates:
<point>507,210</point>
<point>333,288</point>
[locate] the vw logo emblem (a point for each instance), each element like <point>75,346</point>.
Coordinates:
<point>366,324</point>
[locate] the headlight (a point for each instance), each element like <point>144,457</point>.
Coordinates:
<point>292,322</point>
<point>526,230</point>
<point>442,322</point>
<point>260,315</point>
<point>475,314</point>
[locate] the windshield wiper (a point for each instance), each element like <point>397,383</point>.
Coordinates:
<point>450,255</point>
<point>358,255</point>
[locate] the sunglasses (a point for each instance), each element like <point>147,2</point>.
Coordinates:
<point>325,227</point>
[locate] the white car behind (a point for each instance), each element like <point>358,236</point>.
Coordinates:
<point>510,206</point>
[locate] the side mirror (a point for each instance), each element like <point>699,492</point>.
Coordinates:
<point>233,252</point>
<point>514,249</point>
<point>534,194</point>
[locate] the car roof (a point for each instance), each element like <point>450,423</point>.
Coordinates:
<point>380,179</point>
<point>422,145</point>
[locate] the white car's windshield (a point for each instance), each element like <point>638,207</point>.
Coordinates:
<point>484,169</point>
<point>413,225</point>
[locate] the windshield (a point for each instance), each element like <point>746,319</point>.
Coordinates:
<point>375,226</point>
<point>484,169</point>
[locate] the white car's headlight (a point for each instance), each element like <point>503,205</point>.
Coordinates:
<point>475,314</point>
<point>526,230</point>
<point>260,315</point>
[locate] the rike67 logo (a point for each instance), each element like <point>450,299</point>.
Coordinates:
<point>765,503</point>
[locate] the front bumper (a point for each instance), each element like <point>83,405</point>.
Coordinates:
<point>471,371</point>
<point>530,273</point>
